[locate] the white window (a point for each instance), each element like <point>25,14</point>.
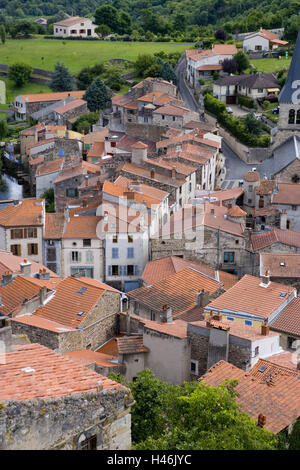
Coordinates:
<point>194,367</point>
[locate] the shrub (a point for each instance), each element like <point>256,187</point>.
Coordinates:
<point>247,102</point>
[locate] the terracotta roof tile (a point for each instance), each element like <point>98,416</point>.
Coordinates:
<point>86,356</point>
<point>177,291</point>
<point>15,294</point>
<point>132,344</point>
<point>68,107</point>
<point>288,321</point>
<point>42,323</point>
<point>11,263</point>
<point>49,375</point>
<point>146,173</point>
<point>288,193</point>
<point>145,189</point>
<point>172,110</point>
<point>26,213</point>
<point>247,296</point>
<point>278,400</point>
<point>39,97</point>
<point>236,211</point>
<point>73,300</point>
<point>265,187</point>
<point>49,167</point>
<point>280,264</point>
<point>122,192</point>
<point>82,227</point>
<point>54,225</point>
<point>270,237</point>
<point>251,333</point>
<point>251,177</point>
<point>151,97</point>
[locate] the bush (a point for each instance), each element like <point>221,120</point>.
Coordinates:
<point>247,102</point>
<point>237,127</point>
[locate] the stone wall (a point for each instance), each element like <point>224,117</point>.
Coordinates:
<point>287,173</point>
<point>145,131</point>
<point>65,422</point>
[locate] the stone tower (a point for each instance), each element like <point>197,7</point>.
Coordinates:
<point>289,100</point>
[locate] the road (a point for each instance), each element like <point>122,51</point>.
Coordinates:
<point>235,167</point>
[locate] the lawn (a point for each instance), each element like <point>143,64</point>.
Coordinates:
<point>271,65</point>
<point>44,53</point>
<point>28,88</point>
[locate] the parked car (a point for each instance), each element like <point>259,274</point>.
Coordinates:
<point>229,110</point>
<point>275,110</point>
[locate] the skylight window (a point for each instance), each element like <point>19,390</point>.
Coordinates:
<point>262,369</point>
<point>80,313</point>
<point>81,291</point>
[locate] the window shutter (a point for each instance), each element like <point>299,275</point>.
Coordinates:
<point>109,270</point>
<point>12,234</point>
<point>79,257</point>
<point>136,270</point>
<point>124,270</point>
<point>71,260</point>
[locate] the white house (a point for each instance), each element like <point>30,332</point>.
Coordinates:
<point>263,40</point>
<point>75,27</point>
<point>202,63</point>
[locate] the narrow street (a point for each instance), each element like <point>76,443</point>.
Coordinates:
<point>235,167</point>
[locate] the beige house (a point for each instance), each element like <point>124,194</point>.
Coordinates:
<point>21,228</point>
<point>75,26</point>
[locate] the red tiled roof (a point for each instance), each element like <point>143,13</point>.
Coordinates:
<point>82,227</point>
<point>132,344</point>
<point>210,67</point>
<point>143,188</point>
<point>34,371</point>
<point>251,333</point>
<point>43,323</point>
<point>86,357</point>
<point>121,192</point>
<point>248,296</point>
<point>177,291</point>
<point>146,173</point>
<point>280,264</point>
<point>288,193</point>
<point>11,263</point>
<point>69,106</point>
<point>265,187</point>
<point>73,300</point>
<point>251,177</point>
<point>14,294</point>
<point>26,213</point>
<point>54,225</point>
<point>172,110</point>
<point>277,399</point>
<point>289,319</point>
<point>49,167</point>
<point>286,237</point>
<point>236,211</point>
<point>39,97</point>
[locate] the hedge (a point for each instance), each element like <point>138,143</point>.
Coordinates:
<point>232,124</point>
<point>247,102</point>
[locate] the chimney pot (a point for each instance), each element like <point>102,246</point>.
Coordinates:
<point>265,329</point>
<point>261,421</point>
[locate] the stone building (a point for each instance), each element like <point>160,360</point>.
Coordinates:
<point>48,391</point>
<point>288,325</point>
<point>281,267</point>
<point>25,105</point>
<point>241,345</point>
<point>82,314</point>
<point>205,232</point>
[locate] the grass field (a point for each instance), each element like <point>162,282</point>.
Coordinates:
<point>271,65</point>
<point>28,88</point>
<point>44,53</point>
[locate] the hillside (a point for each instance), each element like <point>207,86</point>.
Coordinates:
<point>165,16</point>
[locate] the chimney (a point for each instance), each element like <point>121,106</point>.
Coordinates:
<point>105,218</point>
<point>129,194</point>
<point>265,280</point>
<point>298,365</point>
<point>86,181</point>
<point>6,278</point>
<point>152,174</point>
<point>173,173</point>
<point>212,211</point>
<point>265,329</point>
<point>283,220</point>
<point>261,420</point>
<point>202,298</point>
<point>16,202</point>
<point>84,203</point>
<point>166,315</point>
<point>44,275</point>
<point>66,213</point>
<point>25,267</point>
<point>217,316</point>
<point>43,295</point>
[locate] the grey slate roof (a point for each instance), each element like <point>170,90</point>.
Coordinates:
<point>287,91</point>
<point>255,80</point>
<point>286,153</point>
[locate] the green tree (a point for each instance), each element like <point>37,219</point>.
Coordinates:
<point>252,124</point>
<point>84,78</point>
<point>62,80</point>
<point>202,418</point>
<point>49,196</point>
<point>96,95</point>
<point>242,61</point>
<point>108,15</point>
<point>143,62</point>
<point>180,22</point>
<point>3,128</point>
<point>3,33</point>
<point>167,73</point>
<point>294,437</point>
<point>19,73</point>
<point>103,29</point>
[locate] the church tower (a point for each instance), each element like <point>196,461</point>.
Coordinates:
<point>289,100</point>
